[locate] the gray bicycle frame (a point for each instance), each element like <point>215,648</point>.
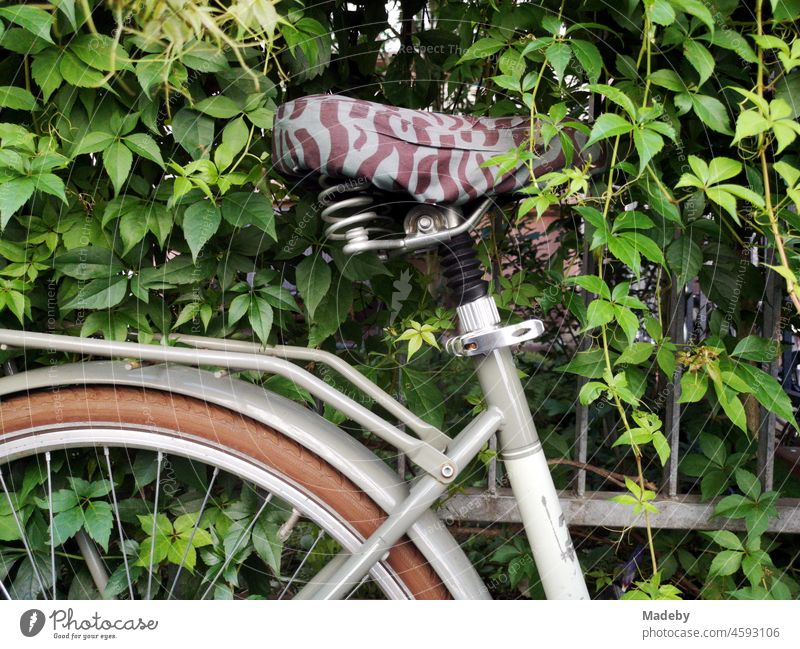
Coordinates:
<point>440,457</point>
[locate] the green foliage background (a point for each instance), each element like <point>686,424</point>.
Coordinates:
<point>137,195</point>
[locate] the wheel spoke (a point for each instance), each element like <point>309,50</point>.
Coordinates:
<point>358,585</point>
<point>50,513</point>
<point>155,520</point>
<point>238,543</point>
<point>320,534</point>
<point>22,534</point>
<point>194,531</point>
<point>119,522</point>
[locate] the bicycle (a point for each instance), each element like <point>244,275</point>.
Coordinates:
<point>353,516</point>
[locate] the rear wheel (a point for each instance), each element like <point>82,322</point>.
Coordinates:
<point>202,503</point>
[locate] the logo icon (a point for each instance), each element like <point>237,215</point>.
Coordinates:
<point>31,622</point>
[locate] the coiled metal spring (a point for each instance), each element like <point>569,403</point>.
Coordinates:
<point>348,217</point>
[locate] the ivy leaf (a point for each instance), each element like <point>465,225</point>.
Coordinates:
<point>684,258</point>
<point>726,563</point>
<point>77,73</point>
<point>698,9</point>
<point>45,73</point>
<point>260,316</point>
<point>90,262</point>
<point>241,209</point>
<point>66,525</point>
<point>16,98</point>
<point>313,281</point>
<point>145,146</point>
<point>756,348</point>
<point>749,484</point>
<point>234,139</point>
<point>559,55</point>
<point>599,313</point>
<point>648,143</point>
<point>98,522</point>
<point>14,194</point>
<point>267,544</point>
<point>117,160</point>
<point>100,52</point>
<point>218,106</point>
<point>608,125</point>
<point>200,222</point>
<point>37,21</point>
<point>587,363</point>
<point>236,309</point>
<point>589,57</point>
<point>712,112</point>
<point>482,48</point>
<point>99,294</point>
<point>726,539</point>
<point>700,58</point>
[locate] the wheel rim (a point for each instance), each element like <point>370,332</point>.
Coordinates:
<point>43,440</point>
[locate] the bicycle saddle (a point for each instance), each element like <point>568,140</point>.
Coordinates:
<point>436,158</point>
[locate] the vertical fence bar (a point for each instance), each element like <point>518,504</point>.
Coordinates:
<point>767,421</point>
<point>581,411</point>
<point>672,413</point>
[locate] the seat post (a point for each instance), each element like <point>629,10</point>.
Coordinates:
<point>463,271</point>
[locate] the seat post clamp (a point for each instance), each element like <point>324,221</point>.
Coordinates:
<point>480,331</point>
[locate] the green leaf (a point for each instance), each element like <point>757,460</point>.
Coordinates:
<point>722,168</point>
<point>749,124</point>
<point>482,48</point>
<point>648,143</point>
<point>200,222</point>
<point>768,392</point>
<point>712,113</point>
<point>267,544</point>
<point>237,308</point>
<point>117,160</point>
<point>423,396</point>
<point>599,313</point>
<point>694,386</point>
<point>260,316</point>
<point>589,57</point>
<point>628,322</point>
<point>726,563</point>
<point>636,354</point>
<point>145,146</point>
<point>698,9</point>
<point>45,73</point>
<point>37,21</point>
<point>50,184</point>
<point>313,281</point>
<point>591,283</point>
<point>13,195</point>
<point>66,525</point>
<point>700,58</point>
<point>218,106</point>
<point>661,445</point>
<point>241,209</point>
<point>558,55</point>
<point>90,262</point>
<point>749,484</point>
<point>99,294</point>
<point>132,229</point>
<point>756,348</point>
<point>93,142</point>
<point>234,139</point>
<point>713,448</point>
<point>194,132</point>
<point>661,12</point>
<point>16,98</point>
<point>587,363</point>
<point>726,539</point>
<point>684,258</point>
<point>77,73</point>
<point>98,522</point>
<point>608,125</point>
<point>100,52</point>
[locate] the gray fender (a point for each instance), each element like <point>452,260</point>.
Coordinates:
<point>307,428</point>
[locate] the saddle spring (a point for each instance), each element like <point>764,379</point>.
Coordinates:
<point>348,209</point>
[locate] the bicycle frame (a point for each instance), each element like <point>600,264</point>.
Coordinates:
<point>440,457</point>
